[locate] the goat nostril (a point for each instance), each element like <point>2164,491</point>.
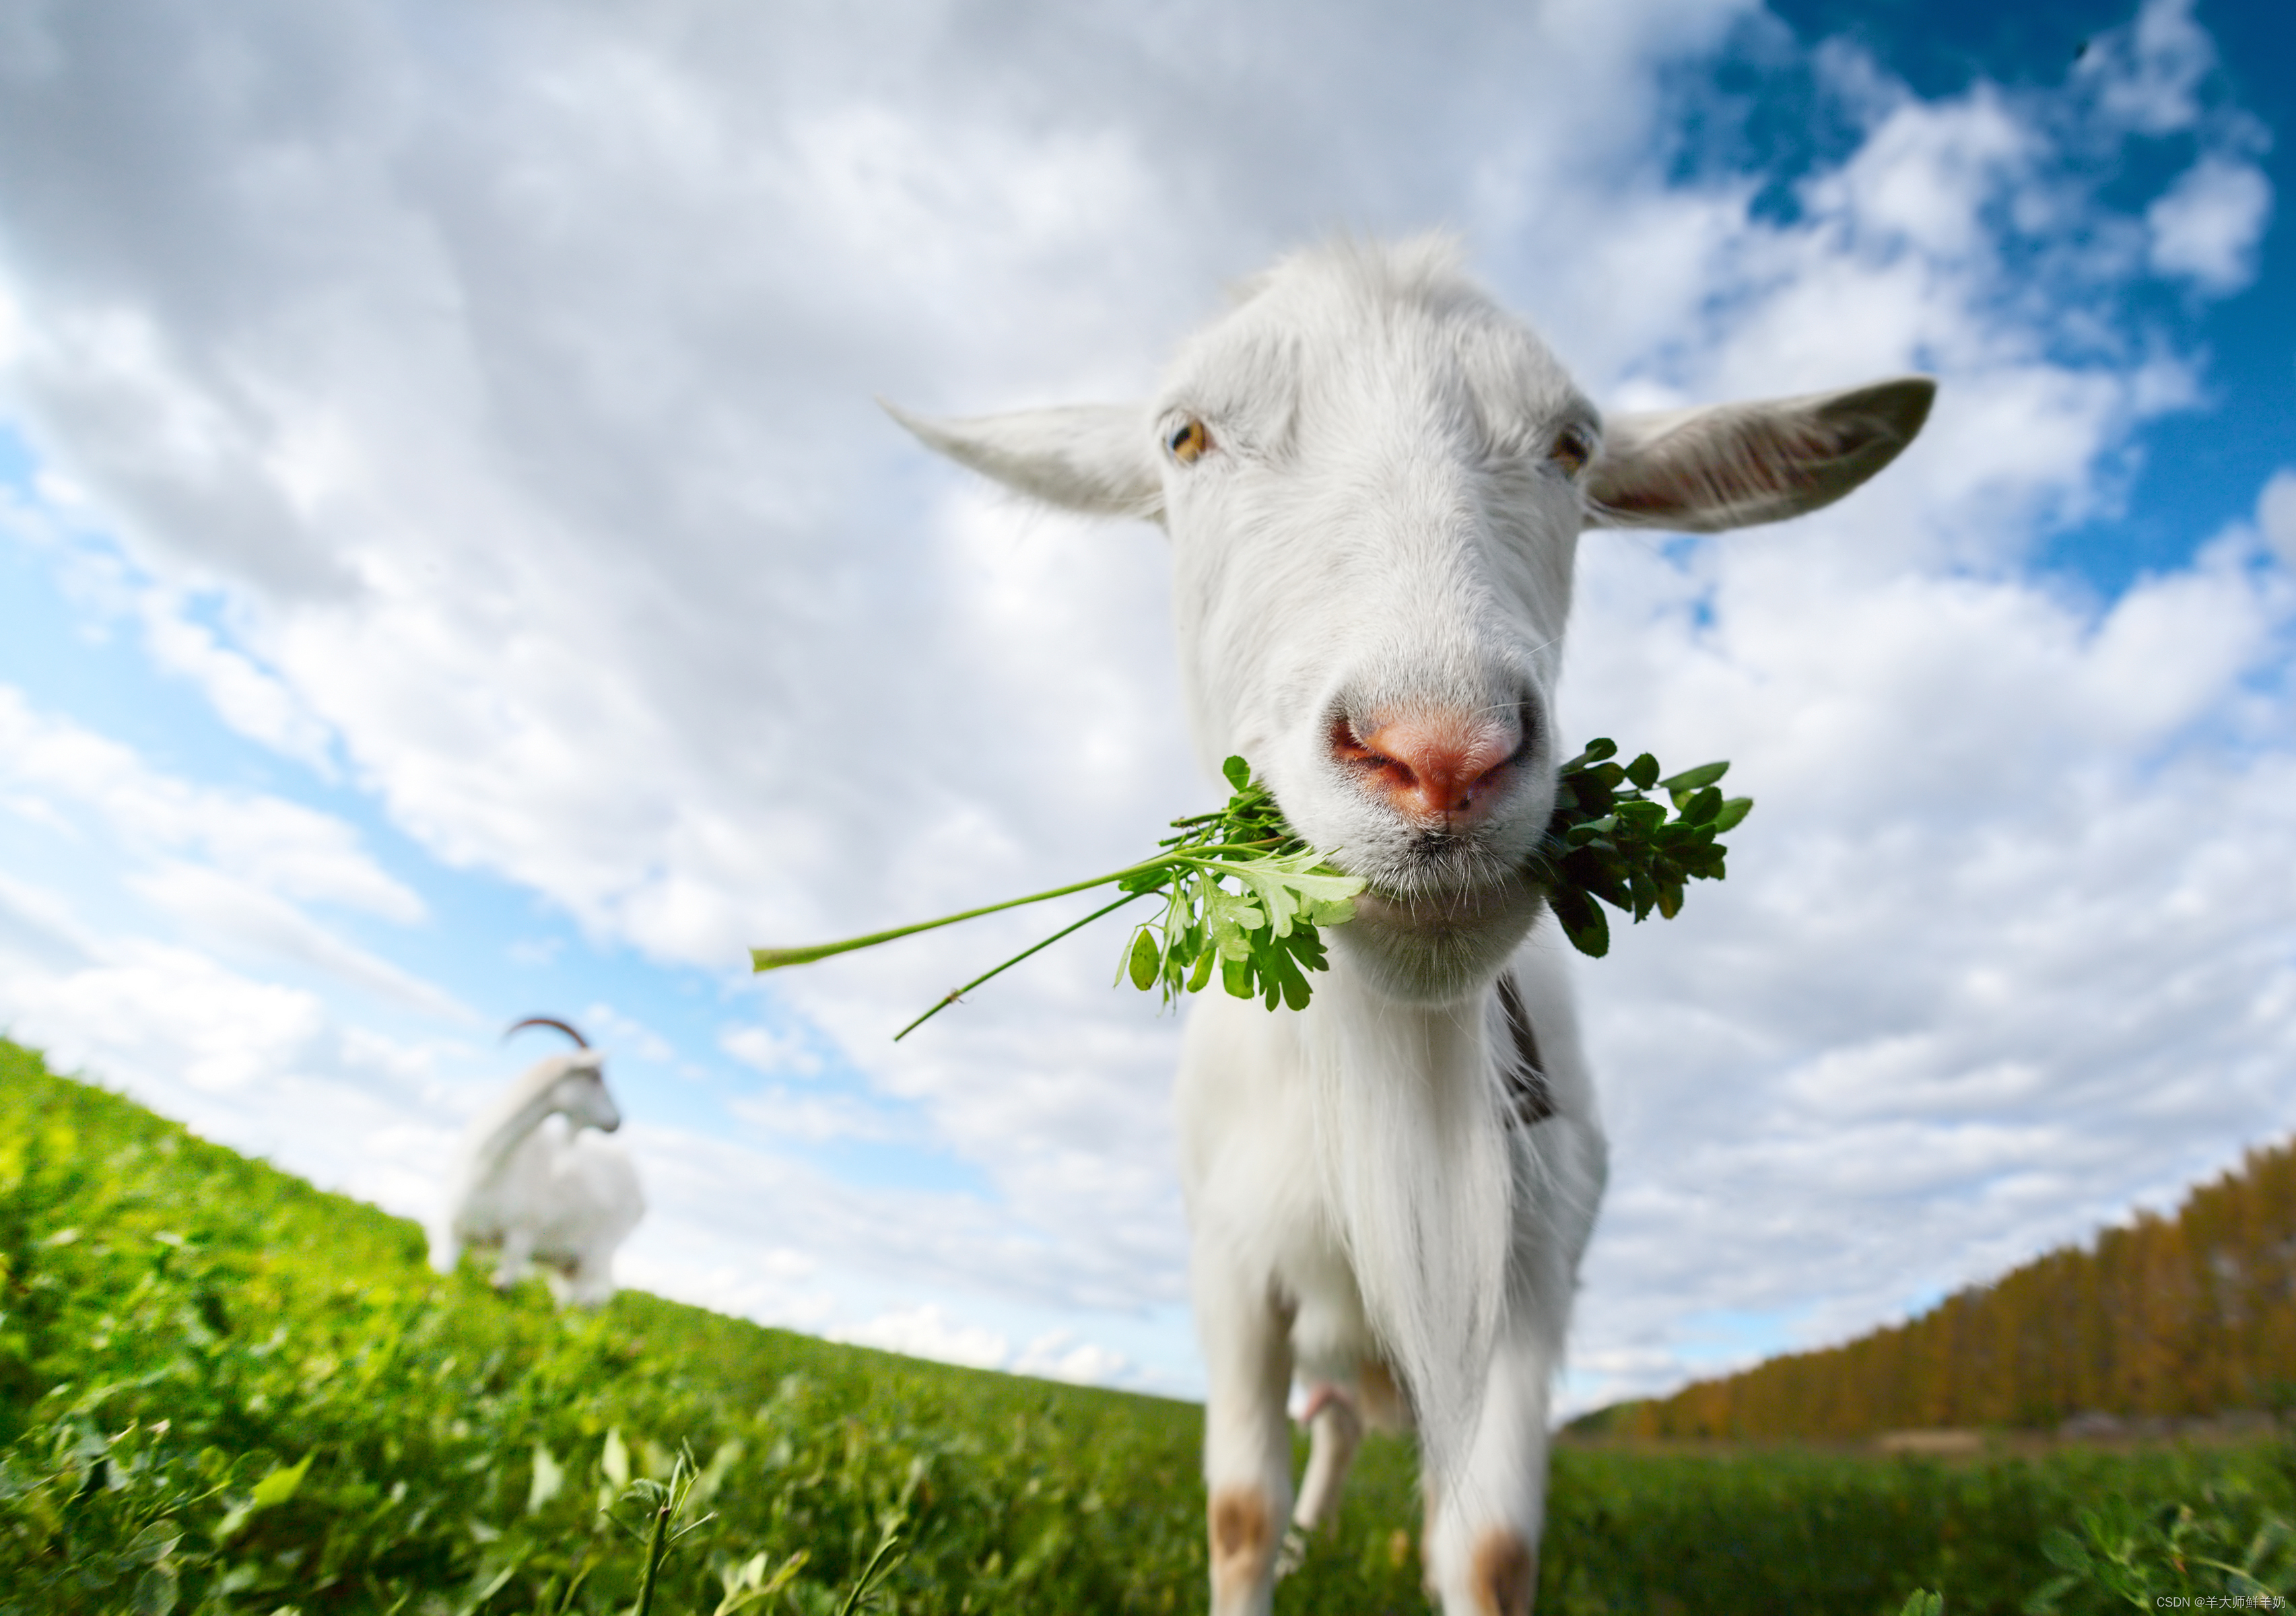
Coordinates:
<point>1370,758</point>
<point>1427,765</point>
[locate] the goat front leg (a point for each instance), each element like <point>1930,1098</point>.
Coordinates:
<point>1482,1527</point>
<point>1335,1430</point>
<point>446,1250</point>
<point>517,1253</point>
<point>1247,1437</point>
<point>589,1281</point>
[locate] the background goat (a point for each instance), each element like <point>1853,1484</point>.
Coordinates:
<point>1374,482</point>
<point>532,1179</point>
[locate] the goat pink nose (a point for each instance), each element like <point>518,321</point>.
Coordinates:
<point>1427,765</point>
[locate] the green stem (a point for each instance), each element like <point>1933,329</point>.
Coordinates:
<point>774,959</point>
<point>1271,848</point>
<point>2234,1571</point>
<point>557,1603</point>
<point>959,993</point>
<point>867,1585</point>
<point>656,1552</point>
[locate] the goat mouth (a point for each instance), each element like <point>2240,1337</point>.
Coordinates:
<point>1436,865</point>
<point>1463,883</point>
<point>1439,942</point>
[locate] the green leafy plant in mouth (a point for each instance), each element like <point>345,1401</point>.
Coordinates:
<point>1245,898</point>
<point>1610,839</point>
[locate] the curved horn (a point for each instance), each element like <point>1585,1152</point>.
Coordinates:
<point>550,1020</point>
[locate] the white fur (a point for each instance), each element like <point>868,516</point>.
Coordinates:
<point>1387,522</point>
<point>533,1179</point>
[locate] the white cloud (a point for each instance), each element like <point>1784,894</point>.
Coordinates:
<point>53,766</point>
<point>779,1115</point>
<point>1057,1355</point>
<point>609,1026</point>
<point>2206,227</point>
<point>262,1065</point>
<point>774,1052</point>
<point>927,1333</point>
<point>1924,170</point>
<point>2148,74</point>
<point>139,1012</point>
<point>245,696</point>
<point>2275,515</point>
<point>225,913</point>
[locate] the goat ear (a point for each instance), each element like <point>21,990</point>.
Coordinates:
<point>1096,458</point>
<point>1732,465</point>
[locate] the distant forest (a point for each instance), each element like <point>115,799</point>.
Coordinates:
<point>2193,1314</point>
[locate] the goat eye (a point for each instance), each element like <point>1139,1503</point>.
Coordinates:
<point>1190,443</point>
<point>1571,451</point>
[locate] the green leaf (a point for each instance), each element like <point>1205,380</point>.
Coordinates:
<point>2061,1549</point>
<point>1285,885</point>
<point>1733,810</point>
<point>1645,892</point>
<point>1581,796</point>
<point>1306,946</point>
<point>1643,772</point>
<point>549,1479</point>
<point>1579,835</point>
<point>1235,976</point>
<point>1268,973</point>
<point>1147,960</point>
<point>1232,919</point>
<point>1280,973</point>
<point>2043,1600</point>
<point>1642,818</point>
<point>274,1489</point>
<point>155,1591</point>
<point>751,1584</point>
<point>280,1485</point>
<point>1582,921</point>
<point>155,1542</point>
<point>485,1585</point>
<point>1681,785</point>
<point>1238,773</point>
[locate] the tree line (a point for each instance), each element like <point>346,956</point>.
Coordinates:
<point>2166,1316</point>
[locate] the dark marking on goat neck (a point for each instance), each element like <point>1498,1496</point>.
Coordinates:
<point>1528,1089</point>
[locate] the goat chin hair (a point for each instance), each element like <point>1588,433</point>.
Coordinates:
<point>547,1020</point>
<point>1415,1157</point>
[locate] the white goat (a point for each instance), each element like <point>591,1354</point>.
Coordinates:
<point>529,1179</point>
<point>1374,482</point>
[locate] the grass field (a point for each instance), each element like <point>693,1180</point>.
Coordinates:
<point>224,1390</point>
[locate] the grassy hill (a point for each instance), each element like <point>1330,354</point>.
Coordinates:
<point>185,1328</point>
<point>223,1390</point>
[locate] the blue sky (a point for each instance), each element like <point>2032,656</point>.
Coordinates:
<point>451,568</point>
<point>2198,468</point>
